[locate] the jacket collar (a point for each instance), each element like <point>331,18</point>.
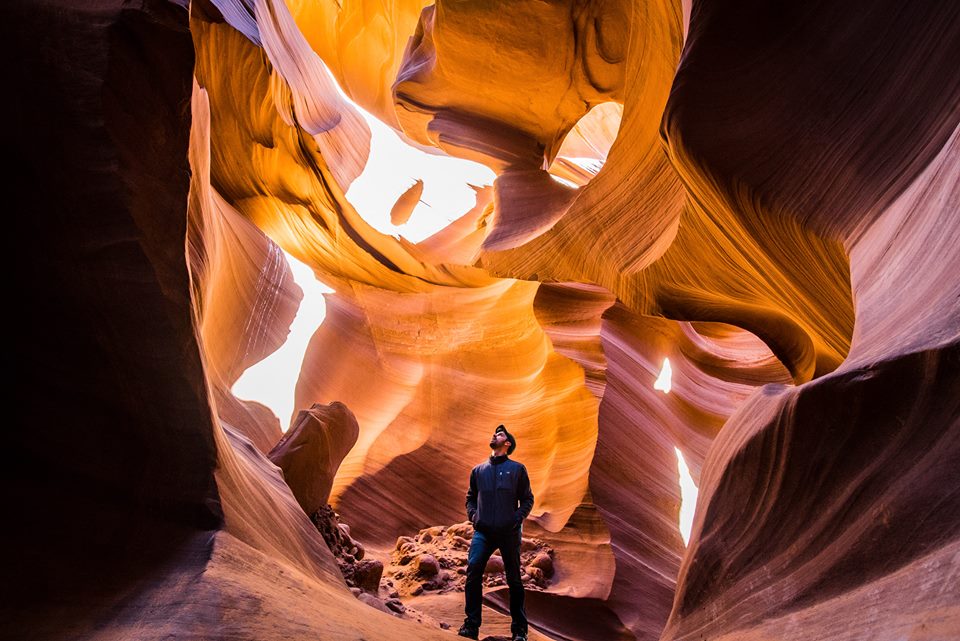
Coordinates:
<point>497,460</point>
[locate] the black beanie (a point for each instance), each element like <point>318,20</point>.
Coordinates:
<point>513,441</point>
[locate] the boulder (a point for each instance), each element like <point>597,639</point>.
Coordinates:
<point>395,605</point>
<point>374,602</point>
<point>311,452</point>
<point>544,562</point>
<point>463,530</point>
<point>427,565</point>
<point>367,574</point>
<point>495,564</point>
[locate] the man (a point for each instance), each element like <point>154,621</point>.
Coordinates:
<point>498,501</point>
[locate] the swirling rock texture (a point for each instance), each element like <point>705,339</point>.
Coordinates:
<point>768,196</point>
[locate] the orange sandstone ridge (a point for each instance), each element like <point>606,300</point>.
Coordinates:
<point>766,196</point>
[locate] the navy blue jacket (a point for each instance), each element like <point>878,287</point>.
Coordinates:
<point>499,498</point>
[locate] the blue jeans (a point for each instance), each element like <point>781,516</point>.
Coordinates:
<point>481,547</point>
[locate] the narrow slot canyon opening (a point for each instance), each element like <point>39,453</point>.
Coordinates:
<point>688,494</point>
<point>585,148</point>
<point>688,489</point>
<point>394,167</point>
<point>442,187</point>
<point>272,381</point>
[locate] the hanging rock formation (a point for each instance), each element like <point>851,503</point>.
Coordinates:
<point>311,452</point>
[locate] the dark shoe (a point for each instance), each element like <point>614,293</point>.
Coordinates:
<point>471,632</point>
<point>520,636</point>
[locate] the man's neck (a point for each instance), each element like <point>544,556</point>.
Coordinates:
<point>494,453</point>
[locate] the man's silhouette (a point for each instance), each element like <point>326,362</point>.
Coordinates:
<point>498,501</point>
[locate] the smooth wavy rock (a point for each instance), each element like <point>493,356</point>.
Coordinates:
<point>245,296</point>
<point>413,418</point>
<point>178,526</point>
<point>630,587</point>
<point>447,69</point>
<point>634,479</point>
<point>570,315</point>
<point>878,515</point>
<point>627,215</point>
<point>838,495</point>
<point>362,43</point>
<point>271,169</point>
<point>660,253</point>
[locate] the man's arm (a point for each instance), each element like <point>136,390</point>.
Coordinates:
<point>524,496</point>
<point>472,496</point>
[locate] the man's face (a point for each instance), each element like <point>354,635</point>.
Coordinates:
<point>498,439</point>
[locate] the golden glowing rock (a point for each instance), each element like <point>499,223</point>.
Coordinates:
<point>404,206</point>
<point>362,43</point>
<point>409,349</point>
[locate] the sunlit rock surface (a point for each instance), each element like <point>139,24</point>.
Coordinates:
<point>767,197</point>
